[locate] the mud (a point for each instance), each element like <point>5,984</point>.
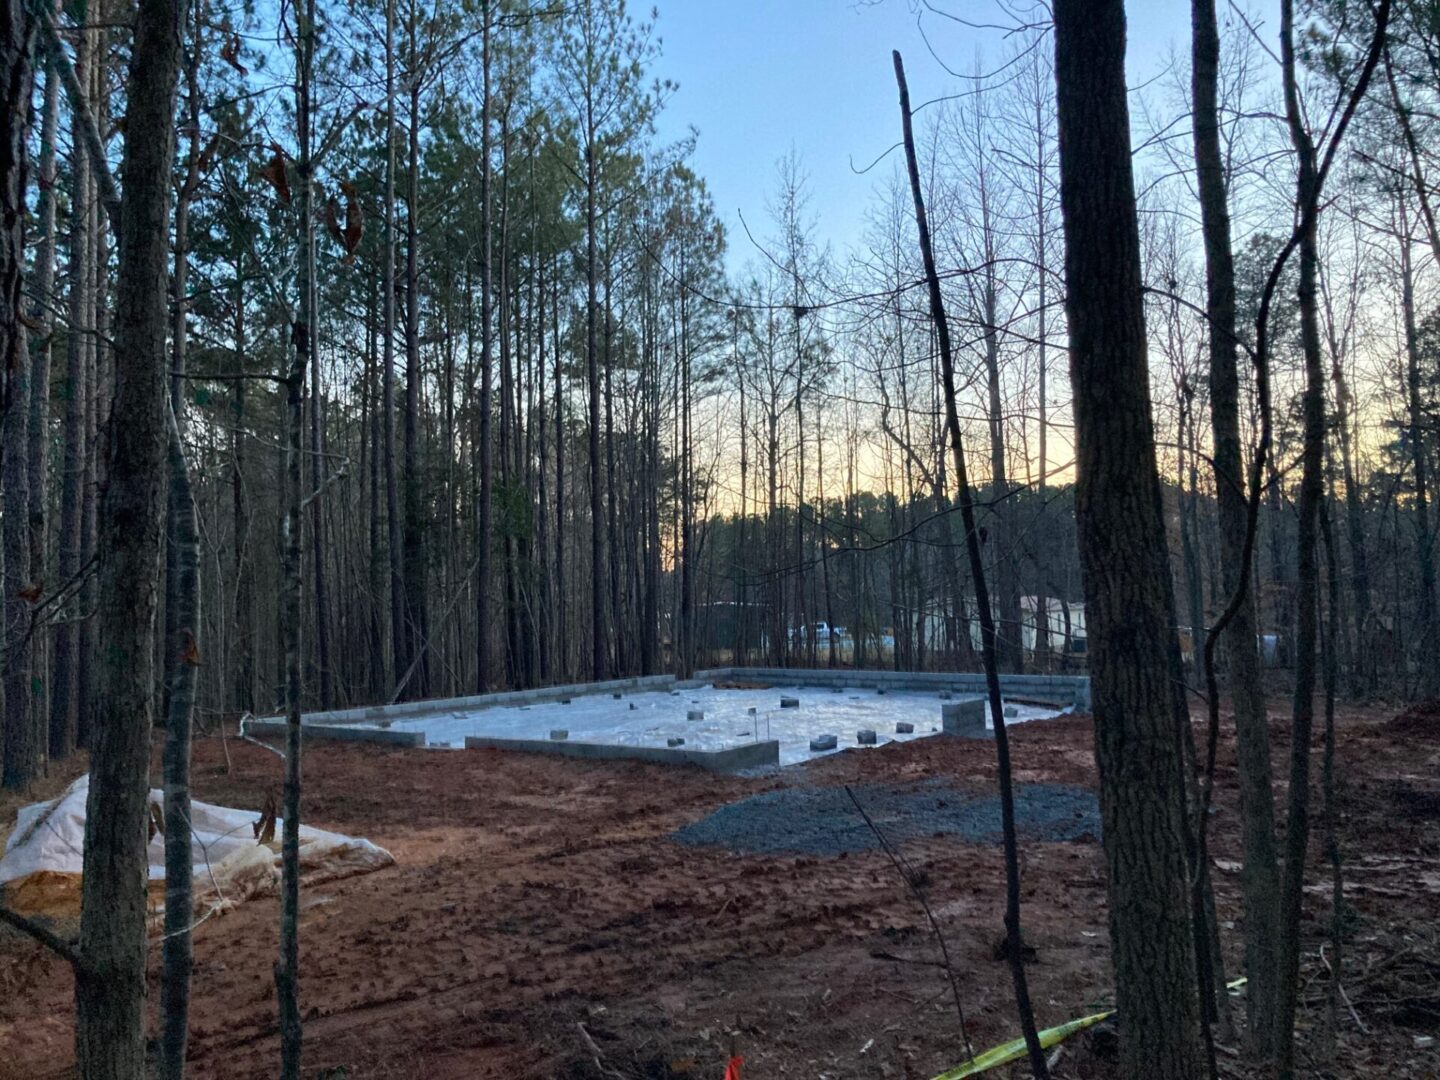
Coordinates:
<point>536,897</point>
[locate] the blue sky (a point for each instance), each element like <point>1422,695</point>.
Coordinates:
<point>759,76</point>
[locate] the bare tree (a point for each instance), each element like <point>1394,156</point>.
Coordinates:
<point>1134,657</point>
<point>1014,942</point>
<point>1260,880</point>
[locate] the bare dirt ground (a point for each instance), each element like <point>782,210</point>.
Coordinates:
<point>542,922</point>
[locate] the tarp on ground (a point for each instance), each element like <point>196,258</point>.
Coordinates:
<point>41,868</point>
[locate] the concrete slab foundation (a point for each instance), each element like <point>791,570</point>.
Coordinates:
<point>732,759</point>
<point>273,728</point>
<point>746,708</point>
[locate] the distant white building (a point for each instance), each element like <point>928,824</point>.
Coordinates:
<point>1056,613</point>
<point>1061,639</point>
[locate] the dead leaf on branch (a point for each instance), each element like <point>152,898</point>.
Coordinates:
<point>274,174</point>
<point>329,214</point>
<point>230,53</point>
<point>354,221</point>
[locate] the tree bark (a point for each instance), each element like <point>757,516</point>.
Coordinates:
<point>1134,657</point>
<point>178,954</point>
<point>302,358</point>
<point>38,453</point>
<point>400,658</point>
<point>22,741</point>
<point>110,988</point>
<point>417,619</point>
<point>1310,180</point>
<point>598,650</point>
<point>483,542</point>
<point>64,700</point>
<point>1429,678</point>
<point>1260,882</point>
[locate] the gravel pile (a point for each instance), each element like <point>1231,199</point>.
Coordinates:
<point>823,821</point>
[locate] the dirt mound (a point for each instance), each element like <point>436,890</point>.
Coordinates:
<point>1422,719</point>
<point>825,821</point>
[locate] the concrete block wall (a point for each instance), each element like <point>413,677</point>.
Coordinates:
<point>1049,689</point>
<point>749,755</point>
<point>409,710</point>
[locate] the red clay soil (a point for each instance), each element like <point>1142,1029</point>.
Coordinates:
<point>541,923</point>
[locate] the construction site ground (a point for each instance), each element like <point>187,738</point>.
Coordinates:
<point>544,921</point>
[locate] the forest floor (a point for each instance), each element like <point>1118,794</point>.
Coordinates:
<point>544,921</point>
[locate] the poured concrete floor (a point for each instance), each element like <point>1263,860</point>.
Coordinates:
<point>658,716</point>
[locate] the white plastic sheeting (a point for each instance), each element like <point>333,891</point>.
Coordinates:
<point>43,857</point>
<point>660,716</point>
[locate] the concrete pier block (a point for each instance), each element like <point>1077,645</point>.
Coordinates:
<point>865,737</point>
<point>695,714</point>
<point>902,728</point>
<point>789,703</point>
<point>824,742</point>
<point>559,734</point>
<point>964,718</point>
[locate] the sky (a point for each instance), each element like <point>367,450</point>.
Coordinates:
<point>758,77</point>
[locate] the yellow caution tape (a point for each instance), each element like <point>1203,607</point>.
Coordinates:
<point>1014,1050</point>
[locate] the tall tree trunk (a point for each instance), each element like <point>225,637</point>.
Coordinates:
<point>178,954</point>
<point>287,965</point>
<point>1260,880</point>
<point>483,540</point>
<point>415,553</point>
<point>612,507</point>
<point>1310,179</point>
<point>1134,657</point>
<point>38,452</point>
<point>1365,667</point>
<point>1010,649</point>
<point>99,378</point>
<point>110,987</point>
<point>598,646</point>
<point>24,746</point>
<point>22,742</point>
<point>400,657</point>
<point>247,692</point>
<point>302,359</point>
<point>376,560</point>
<point>1297,832</point>
<point>64,700</point>
<point>179,316</point>
<point>1429,684</point>
<point>417,619</point>
<point>182,625</point>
